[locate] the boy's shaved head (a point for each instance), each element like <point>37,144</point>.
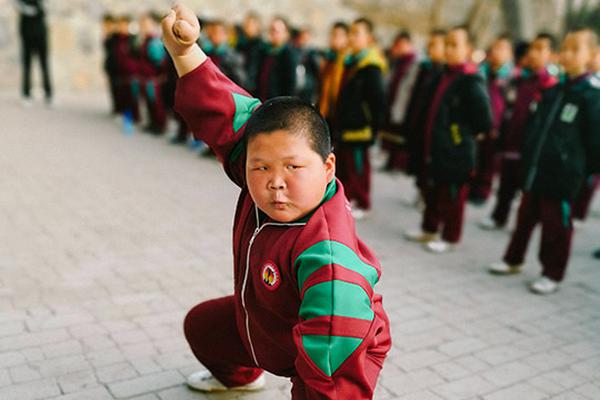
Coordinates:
<point>592,37</point>
<point>295,116</point>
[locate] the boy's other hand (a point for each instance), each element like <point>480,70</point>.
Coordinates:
<point>181,30</point>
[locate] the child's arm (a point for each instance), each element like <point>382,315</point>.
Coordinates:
<point>337,324</point>
<point>478,110</point>
<point>215,108</point>
<point>592,128</point>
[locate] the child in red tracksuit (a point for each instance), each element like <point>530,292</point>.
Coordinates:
<point>459,112</point>
<point>304,304</point>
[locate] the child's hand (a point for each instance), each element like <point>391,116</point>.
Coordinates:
<point>181,30</point>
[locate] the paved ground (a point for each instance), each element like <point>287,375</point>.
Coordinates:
<point>106,240</point>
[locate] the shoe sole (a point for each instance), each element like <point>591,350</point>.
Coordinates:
<point>505,273</point>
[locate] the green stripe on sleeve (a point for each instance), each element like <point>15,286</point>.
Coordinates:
<point>244,107</point>
<point>331,252</point>
<point>337,298</point>
<point>329,352</point>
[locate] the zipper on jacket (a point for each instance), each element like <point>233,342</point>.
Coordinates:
<point>245,282</point>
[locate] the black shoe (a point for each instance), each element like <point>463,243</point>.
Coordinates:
<point>596,254</point>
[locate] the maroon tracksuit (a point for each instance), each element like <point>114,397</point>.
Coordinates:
<point>304,304</point>
<point>521,94</point>
<point>583,202</point>
<point>127,85</point>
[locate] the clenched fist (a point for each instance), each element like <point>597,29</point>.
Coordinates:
<point>181,30</point>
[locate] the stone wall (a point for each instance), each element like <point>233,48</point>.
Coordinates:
<point>75,29</point>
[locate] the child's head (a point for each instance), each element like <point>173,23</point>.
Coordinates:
<point>540,51</point>
<point>217,34</point>
<point>577,51</point>
<point>402,45</point>
<point>521,54</point>
<point>108,24</point>
<point>149,24</point>
<point>500,52</point>
<point>289,159</point>
<point>361,35</point>
<point>123,24</point>
<point>458,46</point>
<point>436,46</point>
<point>252,25</point>
<point>338,36</point>
<point>279,31</point>
<point>303,37</point>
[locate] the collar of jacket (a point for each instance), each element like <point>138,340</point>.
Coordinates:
<point>367,57</point>
<point>575,82</point>
<point>272,50</point>
<point>329,192</point>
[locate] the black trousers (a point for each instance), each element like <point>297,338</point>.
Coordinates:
<point>35,45</point>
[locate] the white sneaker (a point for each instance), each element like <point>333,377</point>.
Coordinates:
<point>439,246</point>
<point>544,285</point>
<point>204,381</point>
<point>360,213</point>
<point>418,235</point>
<point>502,268</point>
<point>489,224</point>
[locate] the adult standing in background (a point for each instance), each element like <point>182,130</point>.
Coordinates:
<point>34,42</point>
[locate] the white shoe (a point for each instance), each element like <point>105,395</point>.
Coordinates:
<point>489,224</point>
<point>204,381</point>
<point>544,285</point>
<point>502,268</point>
<point>359,213</point>
<point>418,235</point>
<point>439,246</point>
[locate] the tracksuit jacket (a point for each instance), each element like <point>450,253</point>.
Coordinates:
<point>304,291</point>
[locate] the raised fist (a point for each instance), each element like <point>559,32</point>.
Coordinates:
<point>181,30</point>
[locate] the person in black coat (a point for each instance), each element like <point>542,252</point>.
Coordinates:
<point>34,42</point>
<point>459,112</point>
<point>251,45</point>
<point>109,43</point>
<point>359,114</point>
<point>277,72</point>
<point>561,148</point>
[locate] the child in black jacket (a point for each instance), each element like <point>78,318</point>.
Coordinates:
<point>561,148</point>
<point>459,112</point>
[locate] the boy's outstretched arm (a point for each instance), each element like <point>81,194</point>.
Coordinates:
<point>215,109</point>
<point>341,338</point>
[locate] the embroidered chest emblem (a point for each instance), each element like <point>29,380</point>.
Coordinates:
<point>569,113</point>
<point>270,275</point>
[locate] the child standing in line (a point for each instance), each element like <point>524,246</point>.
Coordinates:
<point>304,304</point>
<point>460,111</point>
<point>522,92</point>
<point>561,148</point>
<point>359,114</point>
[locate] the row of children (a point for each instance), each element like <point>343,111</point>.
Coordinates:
<point>538,119</point>
<point>139,70</point>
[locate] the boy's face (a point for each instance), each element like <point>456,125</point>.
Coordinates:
<point>147,26</point>
<point>436,48</point>
<point>359,37</point>
<point>576,53</point>
<point>278,33</point>
<point>401,47</point>
<point>338,39</point>
<point>123,27</point>
<point>217,34</point>
<point>286,178</point>
<point>500,53</point>
<point>251,27</point>
<point>539,54</point>
<point>457,47</point>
